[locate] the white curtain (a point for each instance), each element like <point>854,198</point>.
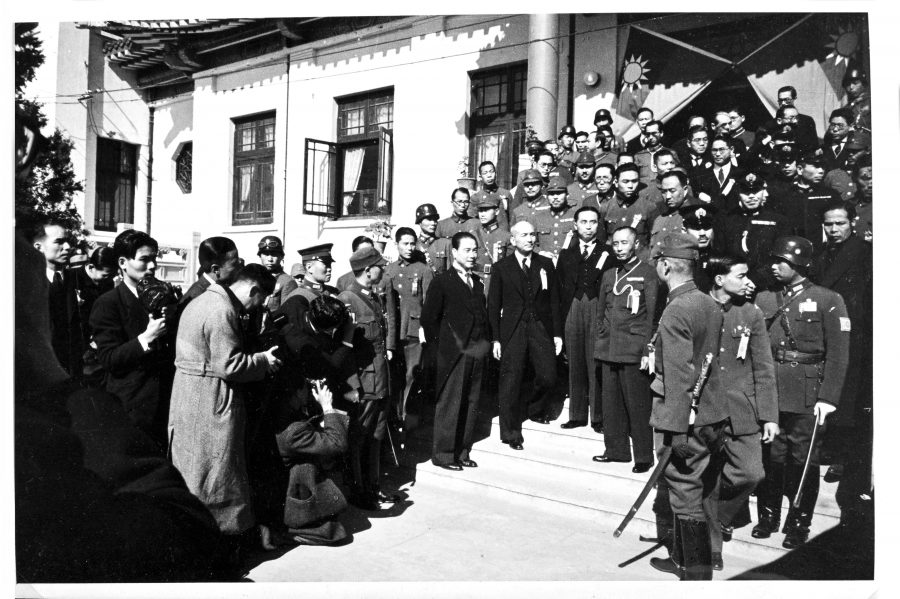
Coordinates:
<point>353,162</point>
<point>246,184</point>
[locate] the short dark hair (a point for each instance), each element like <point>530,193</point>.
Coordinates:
<point>645,109</point>
<point>663,153</point>
<point>624,228</point>
<point>593,209</point>
<point>454,241</point>
<point>842,112</point>
<point>655,122</point>
<point>258,276</point>
<point>737,109</point>
<point>840,204</point>
<point>788,88</point>
<point>682,176</point>
<point>459,190</point>
<point>103,257</point>
<point>37,229</point>
<point>696,129</point>
<point>212,252</point>
<point>722,137</point>
<point>610,167</point>
<point>721,264</point>
<point>779,114</point>
<point>404,231</point>
<point>545,153</point>
<point>326,312</point>
<point>128,242</point>
<point>484,163</point>
<point>581,133</point>
<point>358,241</point>
<point>628,166</point>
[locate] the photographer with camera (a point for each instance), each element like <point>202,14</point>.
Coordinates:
<point>208,417</point>
<point>132,342</point>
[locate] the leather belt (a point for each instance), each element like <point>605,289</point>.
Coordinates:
<point>787,356</point>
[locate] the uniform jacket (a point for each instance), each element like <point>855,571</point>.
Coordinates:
<point>750,235</point>
<point>580,193</point>
<point>571,266</point>
<point>141,380</point>
<point>622,335</point>
<point>436,251</point>
<point>369,339</point>
<point>804,208</point>
<point>344,281</point>
<point>450,226</point>
<point>747,384</point>
<point>688,331</point>
<point>554,229</point>
<point>449,317</point>
<point>819,324</point>
<point>502,210</point>
<point>529,210</point>
<point>644,160</point>
<point>208,415</point>
<point>406,283</point>
<point>507,296</point>
<point>638,214</point>
<point>284,284</point>
<point>487,239</point>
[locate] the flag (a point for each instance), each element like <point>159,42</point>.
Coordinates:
<point>663,74</point>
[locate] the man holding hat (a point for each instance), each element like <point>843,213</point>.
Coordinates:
<point>533,200</point>
<point>687,334</point>
<point>583,189</point>
<point>492,237</point>
<point>809,331</point>
<point>749,229</point>
<point>436,250</point>
<point>555,226</point>
<point>368,418</point>
<point>271,256</point>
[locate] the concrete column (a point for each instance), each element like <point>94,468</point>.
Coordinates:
<point>543,74</point>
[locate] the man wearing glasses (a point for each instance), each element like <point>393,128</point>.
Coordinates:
<point>836,149</point>
<point>804,126</point>
<point>460,220</point>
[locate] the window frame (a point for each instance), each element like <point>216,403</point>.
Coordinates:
<point>123,179</point>
<point>258,158</point>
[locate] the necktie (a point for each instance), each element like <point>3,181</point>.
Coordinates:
<point>720,176</point>
<point>469,279</point>
<point>837,149</point>
<point>57,279</point>
<point>584,251</point>
<point>525,265</point>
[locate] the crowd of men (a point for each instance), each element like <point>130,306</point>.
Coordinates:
<point>704,304</point>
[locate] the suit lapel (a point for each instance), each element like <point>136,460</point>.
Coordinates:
<point>844,261</point>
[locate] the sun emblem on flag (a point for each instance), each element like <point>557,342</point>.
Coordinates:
<point>634,72</point>
<point>843,46</point>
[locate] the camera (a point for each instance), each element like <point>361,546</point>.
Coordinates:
<point>155,295</point>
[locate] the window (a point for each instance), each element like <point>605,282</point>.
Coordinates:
<point>116,172</point>
<point>254,170</point>
<point>497,125</point>
<point>353,176</point>
<point>184,160</point>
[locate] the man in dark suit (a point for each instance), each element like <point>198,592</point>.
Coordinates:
<point>132,346</point>
<point>836,149</point>
<point>454,317</point>
<point>579,269</point>
<point>524,290</point>
<point>803,125</point>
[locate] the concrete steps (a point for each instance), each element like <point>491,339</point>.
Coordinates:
<point>556,469</point>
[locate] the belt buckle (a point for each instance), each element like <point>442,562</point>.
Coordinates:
<point>487,269</point>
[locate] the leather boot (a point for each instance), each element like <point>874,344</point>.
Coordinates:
<point>796,527</point>
<point>769,494</point>
<point>674,563</point>
<point>697,560</point>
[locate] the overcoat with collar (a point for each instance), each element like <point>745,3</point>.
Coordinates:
<point>506,298</point>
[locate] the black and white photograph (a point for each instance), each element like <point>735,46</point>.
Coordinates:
<point>474,304</point>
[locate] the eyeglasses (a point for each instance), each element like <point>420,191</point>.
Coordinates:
<point>461,201</point>
<point>531,184</point>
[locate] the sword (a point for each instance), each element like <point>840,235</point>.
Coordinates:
<point>812,446</point>
<point>657,472</point>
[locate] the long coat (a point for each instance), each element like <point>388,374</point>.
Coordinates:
<point>207,419</point>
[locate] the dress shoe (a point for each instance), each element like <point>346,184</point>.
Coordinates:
<point>727,533</point>
<point>665,565</point>
<point>765,527</point>
<point>364,501</point>
<point>642,467</point>
<point>468,463</point>
<point>598,428</point>
<point>516,445</point>
<point>451,466</point>
<point>382,497</point>
<point>541,419</point>
<point>834,473</point>
<point>604,459</point>
<point>717,563</point>
<point>573,424</point>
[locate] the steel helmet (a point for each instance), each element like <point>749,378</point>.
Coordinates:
<point>426,211</point>
<point>796,250</point>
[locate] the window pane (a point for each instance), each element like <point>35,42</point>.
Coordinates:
<point>319,191</point>
<point>266,135</point>
<point>266,189</point>
<point>244,176</point>
<point>360,179</point>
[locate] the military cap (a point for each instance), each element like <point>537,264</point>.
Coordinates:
<point>556,184</point>
<point>365,257</point>
<point>567,130</point>
<point>677,245</point>
<point>794,249</point>
<point>320,252</point>
<point>854,74</point>
<point>751,182</point>
<point>270,245</point>
<point>297,270</point>
<point>602,114</point>
<point>858,140</point>
<point>584,159</point>
<point>79,258</point>
<point>426,211</point>
<point>785,153</point>
<point>532,175</point>
<point>697,216</point>
<point>489,200</point>
<point>814,158</point>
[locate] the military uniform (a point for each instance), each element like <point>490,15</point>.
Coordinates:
<point>804,208</point>
<point>626,304</point>
<point>453,224</point>
<point>488,250</point>
<point>503,211</point>
<point>750,235</point>
<point>409,280</point>
<point>581,194</point>
<point>555,230</point>
<point>810,336</point>
<point>639,214</point>
<point>645,161</point>
<point>436,250</point>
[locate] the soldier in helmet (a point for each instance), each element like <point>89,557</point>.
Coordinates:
<point>271,256</point>
<point>436,250</point>
<point>603,118</point>
<point>856,84</point>
<point>810,334</point>
<point>583,189</point>
<point>566,139</point>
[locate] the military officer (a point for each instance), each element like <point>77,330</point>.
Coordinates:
<point>533,201</point>
<point>664,160</point>
<point>583,189</point>
<point>579,269</point>
<point>556,226</point>
<point>406,281</point>
<point>436,249</point>
<point>645,158</point>
<point>626,303</point>
<point>566,139</point>
<point>803,207</point>
<point>543,163</point>
<point>676,193</point>
<point>316,262</point>
<point>810,335</point>
<point>687,334</point>
<point>368,418</point>
<point>749,229</point>
<point>487,172</point>
<point>271,256</point>
<point>460,219</point>
<point>359,242</point>
<point>698,223</point>
<point>492,238</point>
<point>603,119</point>
<point>629,209</point>
<point>604,151</point>
<point>744,377</point>
<point>856,84</point>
